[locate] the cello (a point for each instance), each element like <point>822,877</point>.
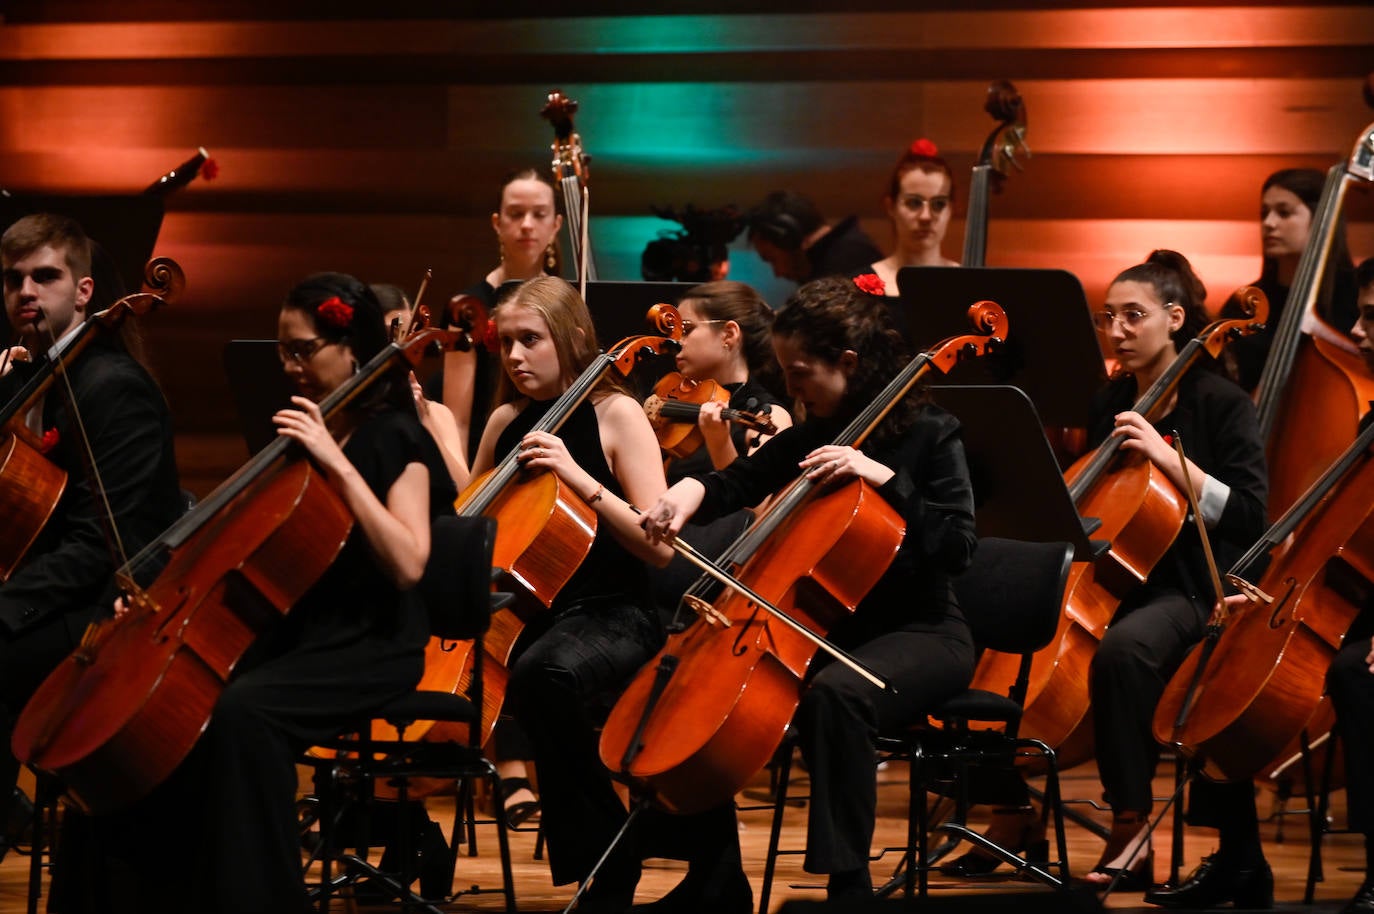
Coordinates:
<point>571,171</point>
<point>995,159</point>
<point>1141,514</point>
<point>695,724</point>
<point>1314,386</point>
<point>30,485</point>
<point>122,712</point>
<point>1242,701</point>
<point>544,530</point>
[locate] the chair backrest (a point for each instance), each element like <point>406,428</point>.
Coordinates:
<point>1012,593</point>
<point>456,586</point>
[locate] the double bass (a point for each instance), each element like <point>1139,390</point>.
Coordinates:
<point>697,722</point>
<point>121,713</point>
<point>1243,700</point>
<point>571,171</point>
<point>1141,514</point>
<point>1314,387</point>
<point>31,485</point>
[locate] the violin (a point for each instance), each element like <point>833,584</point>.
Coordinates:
<point>995,161</point>
<point>695,724</point>
<point>1314,387</point>
<point>1242,702</point>
<point>571,170</point>
<point>30,485</point>
<point>1141,514</point>
<point>679,398</point>
<point>123,711</point>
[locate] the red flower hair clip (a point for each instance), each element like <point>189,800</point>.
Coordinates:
<point>50,439</point>
<point>490,341</point>
<point>871,283</point>
<point>924,147</point>
<point>209,169</point>
<point>336,313</point>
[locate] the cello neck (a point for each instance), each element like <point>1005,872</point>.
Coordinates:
<point>976,227</point>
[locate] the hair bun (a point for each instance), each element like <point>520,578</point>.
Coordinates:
<point>923,147</point>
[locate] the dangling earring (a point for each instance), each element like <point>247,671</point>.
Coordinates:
<point>550,260</point>
<point>356,369</point>
<point>500,250</point>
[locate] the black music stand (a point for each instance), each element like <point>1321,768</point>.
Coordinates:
<point>259,387</point>
<point>1051,352</point>
<point>1019,492</point>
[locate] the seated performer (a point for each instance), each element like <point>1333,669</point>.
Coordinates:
<point>838,349</point>
<point>66,579</point>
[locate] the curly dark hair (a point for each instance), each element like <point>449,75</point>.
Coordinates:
<point>831,316</point>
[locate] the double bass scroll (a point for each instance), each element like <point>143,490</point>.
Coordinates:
<point>995,160</point>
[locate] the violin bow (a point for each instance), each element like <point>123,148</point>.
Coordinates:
<point>1219,613</point>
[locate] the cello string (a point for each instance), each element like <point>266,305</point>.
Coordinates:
<point>60,368</point>
<point>585,206</point>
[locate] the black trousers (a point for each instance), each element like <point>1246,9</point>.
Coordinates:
<point>1140,651</point>
<point>841,713</point>
<point>1351,687</point>
<point>560,688</point>
<point>25,661</point>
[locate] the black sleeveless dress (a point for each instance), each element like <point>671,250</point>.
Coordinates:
<point>571,664</point>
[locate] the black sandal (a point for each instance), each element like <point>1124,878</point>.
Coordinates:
<point>517,814</point>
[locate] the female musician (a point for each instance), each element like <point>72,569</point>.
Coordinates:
<point>726,333</point>
<point>602,627</point>
<point>356,639</point>
<point>526,223</point>
<point>726,338</point>
<point>919,201</point>
<point>1150,311</point>
<point>837,349</point>
<point>1288,200</point>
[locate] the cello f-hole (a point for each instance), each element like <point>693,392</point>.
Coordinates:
<point>1280,616</point>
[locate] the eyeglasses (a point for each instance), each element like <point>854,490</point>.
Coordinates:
<point>1130,318</point>
<point>300,351</point>
<point>689,326</point>
<point>916,203</point>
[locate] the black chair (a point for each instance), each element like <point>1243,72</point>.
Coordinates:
<point>457,591</point>
<point>1012,597</point>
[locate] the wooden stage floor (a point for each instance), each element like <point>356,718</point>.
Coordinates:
<point>1343,858</point>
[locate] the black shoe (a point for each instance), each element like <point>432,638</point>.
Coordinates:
<point>1217,881</point>
<point>719,895</point>
<point>851,885</point>
<point>1363,902</point>
<point>612,891</point>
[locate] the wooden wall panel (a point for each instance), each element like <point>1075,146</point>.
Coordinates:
<point>373,142</point>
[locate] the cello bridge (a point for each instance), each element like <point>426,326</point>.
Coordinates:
<point>706,611</point>
<point>1253,593</point>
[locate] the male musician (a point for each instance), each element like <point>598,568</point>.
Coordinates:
<point>1350,682</point>
<point>793,238</point>
<point>65,580</point>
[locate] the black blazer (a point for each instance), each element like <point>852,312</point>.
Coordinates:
<point>70,568</point>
